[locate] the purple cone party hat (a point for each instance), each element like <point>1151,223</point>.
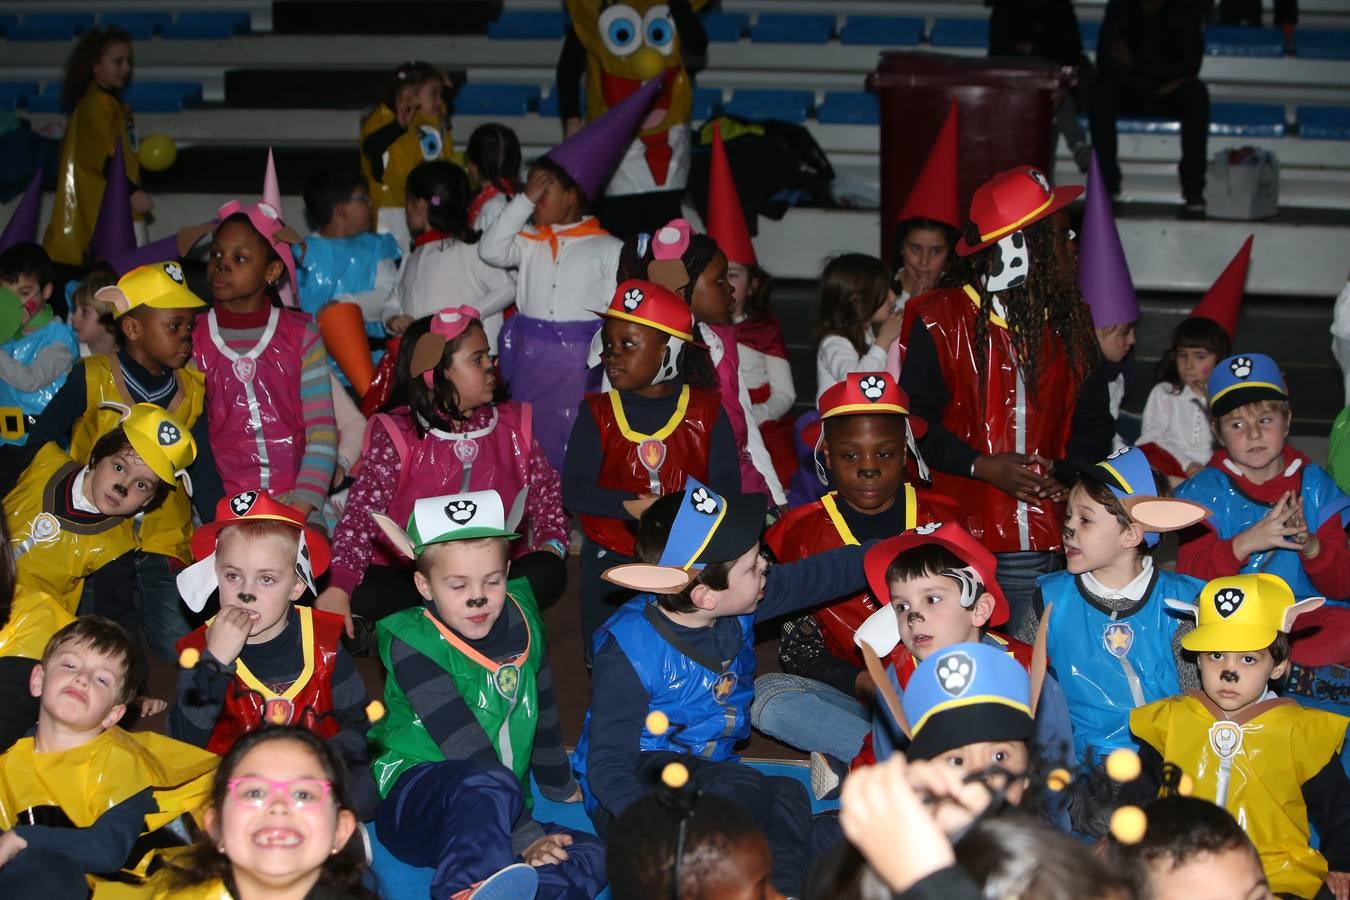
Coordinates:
<point>175,246</point>
<point>114,233</point>
<point>1103,274</point>
<point>591,154</point>
<point>23,223</point>
<point>271,194</point>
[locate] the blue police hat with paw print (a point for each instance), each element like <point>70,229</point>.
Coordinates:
<point>1244,378</point>
<point>966,694</point>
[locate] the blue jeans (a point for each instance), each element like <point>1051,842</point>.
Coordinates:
<point>1017,574</point>
<point>809,715</point>
<point>161,610</point>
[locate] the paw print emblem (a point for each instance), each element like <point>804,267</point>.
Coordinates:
<point>955,672</point>
<point>1241,366</point>
<point>703,500</point>
<point>631,298</point>
<point>872,387</point>
<point>174,271</point>
<point>460,511</point>
<point>168,434</point>
<point>928,529</point>
<point>1038,176</point>
<point>1228,600</point>
<point>1117,454</point>
<point>242,503</point>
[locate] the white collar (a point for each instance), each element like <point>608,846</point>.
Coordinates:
<point>1134,591</point>
<point>77,497</point>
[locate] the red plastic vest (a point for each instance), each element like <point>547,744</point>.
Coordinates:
<point>996,415</point>
<point>818,527</point>
<point>687,436</point>
<point>307,702</point>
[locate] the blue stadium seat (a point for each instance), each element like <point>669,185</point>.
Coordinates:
<point>726,28</point>
<point>528,25</point>
<point>960,33</point>
<point>548,104</point>
<point>1247,119</point>
<point>12,92</point>
<point>1089,31</point>
<point>760,103</point>
<point>140,25</point>
<point>849,108</point>
<point>792,28</point>
<point>1144,125</point>
<point>7,21</point>
<point>707,103</point>
<point>208,26</point>
<point>162,96</point>
<point>1316,44</point>
<point>49,26</point>
<point>1327,123</point>
<point>1236,40</point>
<point>497,99</point>
<point>48,100</point>
<point>882,31</point>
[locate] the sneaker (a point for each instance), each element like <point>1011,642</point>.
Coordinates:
<point>827,774</point>
<point>515,882</point>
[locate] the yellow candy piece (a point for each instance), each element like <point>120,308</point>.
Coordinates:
<point>1123,765</point>
<point>657,722</point>
<point>1185,786</point>
<point>374,710</point>
<point>189,658</point>
<point>1128,824</point>
<point>1058,780</point>
<point>675,776</point>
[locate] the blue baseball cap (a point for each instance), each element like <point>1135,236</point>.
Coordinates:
<point>965,694</point>
<point>1128,475</point>
<point>1244,378</point>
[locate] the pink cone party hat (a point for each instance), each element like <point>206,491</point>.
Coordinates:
<point>1103,273</point>
<point>591,154</point>
<point>114,233</point>
<point>271,194</point>
<point>23,222</point>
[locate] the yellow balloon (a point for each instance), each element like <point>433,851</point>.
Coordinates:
<point>158,151</point>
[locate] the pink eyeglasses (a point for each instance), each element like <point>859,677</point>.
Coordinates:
<point>253,790</point>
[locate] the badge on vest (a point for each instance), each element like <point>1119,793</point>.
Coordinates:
<point>1226,739</point>
<point>1118,638</point>
<point>46,527</point>
<point>723,686</point>
<point>244,368</point>
<point>278,711</point>
<point>652,454</point>
<point>507,681</point>
<point>466,451</point>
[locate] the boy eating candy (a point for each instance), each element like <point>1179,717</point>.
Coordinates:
<point>262,659</point>
<point>81,796</point>
<point>1273,764</point>
<point>471,713</point>
<point>820,700</point>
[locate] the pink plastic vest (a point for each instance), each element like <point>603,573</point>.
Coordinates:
<point>495,457</point>
<point>729,385</point>
<point>257,427</point>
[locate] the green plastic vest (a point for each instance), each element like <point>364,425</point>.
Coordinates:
<point>503,698</point>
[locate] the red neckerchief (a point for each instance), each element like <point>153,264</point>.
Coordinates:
<point>1268,491</point>
<point>763,334</point>
<point>587,227</point>
<point>657,149</point>
<point>500,186</point>
<point>430,235</point>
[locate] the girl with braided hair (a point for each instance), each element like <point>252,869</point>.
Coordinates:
<point>1004,370</point>
<point>492,160</point>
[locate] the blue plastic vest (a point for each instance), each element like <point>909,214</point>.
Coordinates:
<point>1235,512</point>
<point>709,711</point>
<point>335,266</point>
<point>1088,649</point>
<point>15,405</point>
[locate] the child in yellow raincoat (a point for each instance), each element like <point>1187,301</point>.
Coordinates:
<point>98,69</point>
<point>82,802</point>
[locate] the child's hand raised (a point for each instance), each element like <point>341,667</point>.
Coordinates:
<point>880,802</point>
<point>1274,531</point>
<point>539,181</point>
<point>548,850</point>
<point>225,637</point>
<point>888,329</point>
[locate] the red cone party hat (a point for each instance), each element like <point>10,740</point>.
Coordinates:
<point>1224,299</point>
<point>726,219</point>
<point>935,194</point>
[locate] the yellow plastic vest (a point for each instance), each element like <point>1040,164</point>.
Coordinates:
<point>62,553</point>
<point>88,780</point>
<point>33,618</point>
<point>98,121</point>
<point>404,155</point>
<point>167,529</point>
<point>1275,747</point>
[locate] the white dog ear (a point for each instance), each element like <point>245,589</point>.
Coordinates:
<point>1011,263</point>
<point>397,536</point>
<point>1298,609</point>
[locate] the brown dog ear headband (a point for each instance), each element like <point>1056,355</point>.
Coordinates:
<point>669,244</point>
<point>446,325</point>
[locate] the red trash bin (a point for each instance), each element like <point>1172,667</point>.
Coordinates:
<point>1006,108</point>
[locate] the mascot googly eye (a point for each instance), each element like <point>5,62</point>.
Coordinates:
<point>460,511</point>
